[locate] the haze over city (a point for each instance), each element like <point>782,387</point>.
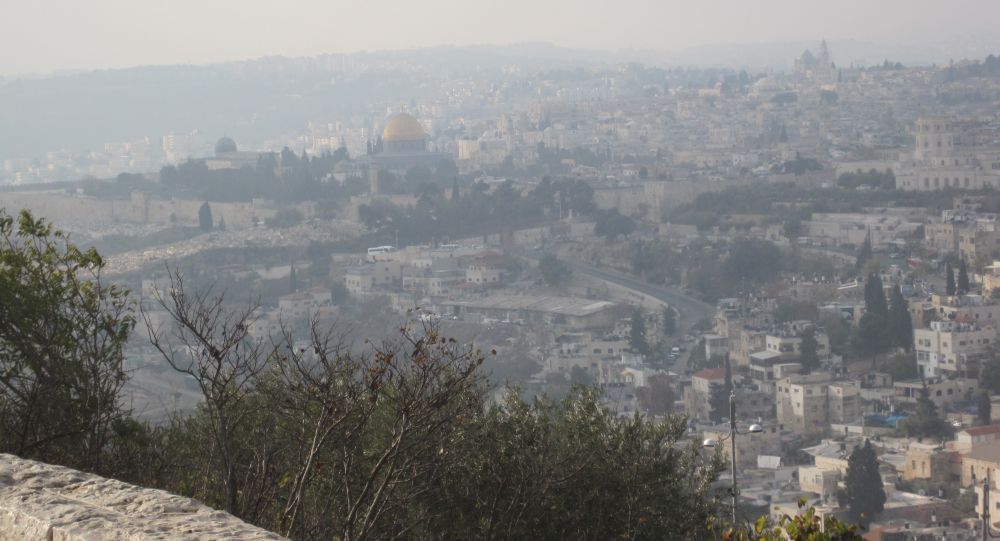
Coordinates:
<point>53,35</point>
<point>674,270</point>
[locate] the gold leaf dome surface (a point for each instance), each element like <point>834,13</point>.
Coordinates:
<point>402,127</point>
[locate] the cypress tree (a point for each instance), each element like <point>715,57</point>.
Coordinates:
<point>949,280</point>
<point>900,321</point>
<point>985,408</point>
<point>637,333</point>
<point>669,321</point>
<point>728,376</point>
<point>865,252</point>
<point>865,495</point>
<point>875,296</point>
<point>962,285</point>
<point>807,351</point>
<point>205,217</point>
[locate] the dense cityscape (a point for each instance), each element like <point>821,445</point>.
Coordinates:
<point>793,272</point>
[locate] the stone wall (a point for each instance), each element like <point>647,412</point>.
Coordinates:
<point>80,210</point>
<point>43,502</point>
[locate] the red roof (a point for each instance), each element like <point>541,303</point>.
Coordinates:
<point>983,430</point>
<point>711,373</point>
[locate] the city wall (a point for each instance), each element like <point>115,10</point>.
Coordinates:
<point>140,209</point>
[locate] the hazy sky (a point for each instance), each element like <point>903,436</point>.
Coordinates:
<point>44,35</point>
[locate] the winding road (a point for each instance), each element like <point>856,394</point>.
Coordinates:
<point>689,310</point>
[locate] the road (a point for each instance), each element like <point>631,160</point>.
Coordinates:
<point>689,310</point>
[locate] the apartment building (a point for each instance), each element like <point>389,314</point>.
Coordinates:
<point>948,347</point>
<point>809,403</point>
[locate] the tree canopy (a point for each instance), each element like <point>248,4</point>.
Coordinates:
<point>205,217</point>
<point>554,271</point>
<point>62,334</point>
<point>925,422</point>
<point>949,280</point>
<point>865,494</point>
<point>637,333</point>
<point>899,320</point>
<point>807,350</point>
<point>752,261</point>
<point>309,437</point>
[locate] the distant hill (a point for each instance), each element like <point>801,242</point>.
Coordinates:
<point>253,99</point>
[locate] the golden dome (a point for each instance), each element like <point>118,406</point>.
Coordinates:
<point>402,127</point>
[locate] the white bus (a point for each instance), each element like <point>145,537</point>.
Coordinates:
<point>380,251</point>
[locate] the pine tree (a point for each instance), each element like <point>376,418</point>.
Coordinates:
<point>962,285</point>
<point>949,280</point>
<point>900,321</point>
<point>865,494</point>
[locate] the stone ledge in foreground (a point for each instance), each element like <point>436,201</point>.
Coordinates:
<point>42,502</point>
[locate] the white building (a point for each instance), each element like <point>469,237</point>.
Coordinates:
<point>947,346</point>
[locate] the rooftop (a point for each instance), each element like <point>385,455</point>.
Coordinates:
<point>982,430</point>
<point>989,453</point>
<point>711,373</point>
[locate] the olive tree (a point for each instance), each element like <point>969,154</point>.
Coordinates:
<point>62,333</point>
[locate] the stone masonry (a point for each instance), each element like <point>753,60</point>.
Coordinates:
<point>43,502</point>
